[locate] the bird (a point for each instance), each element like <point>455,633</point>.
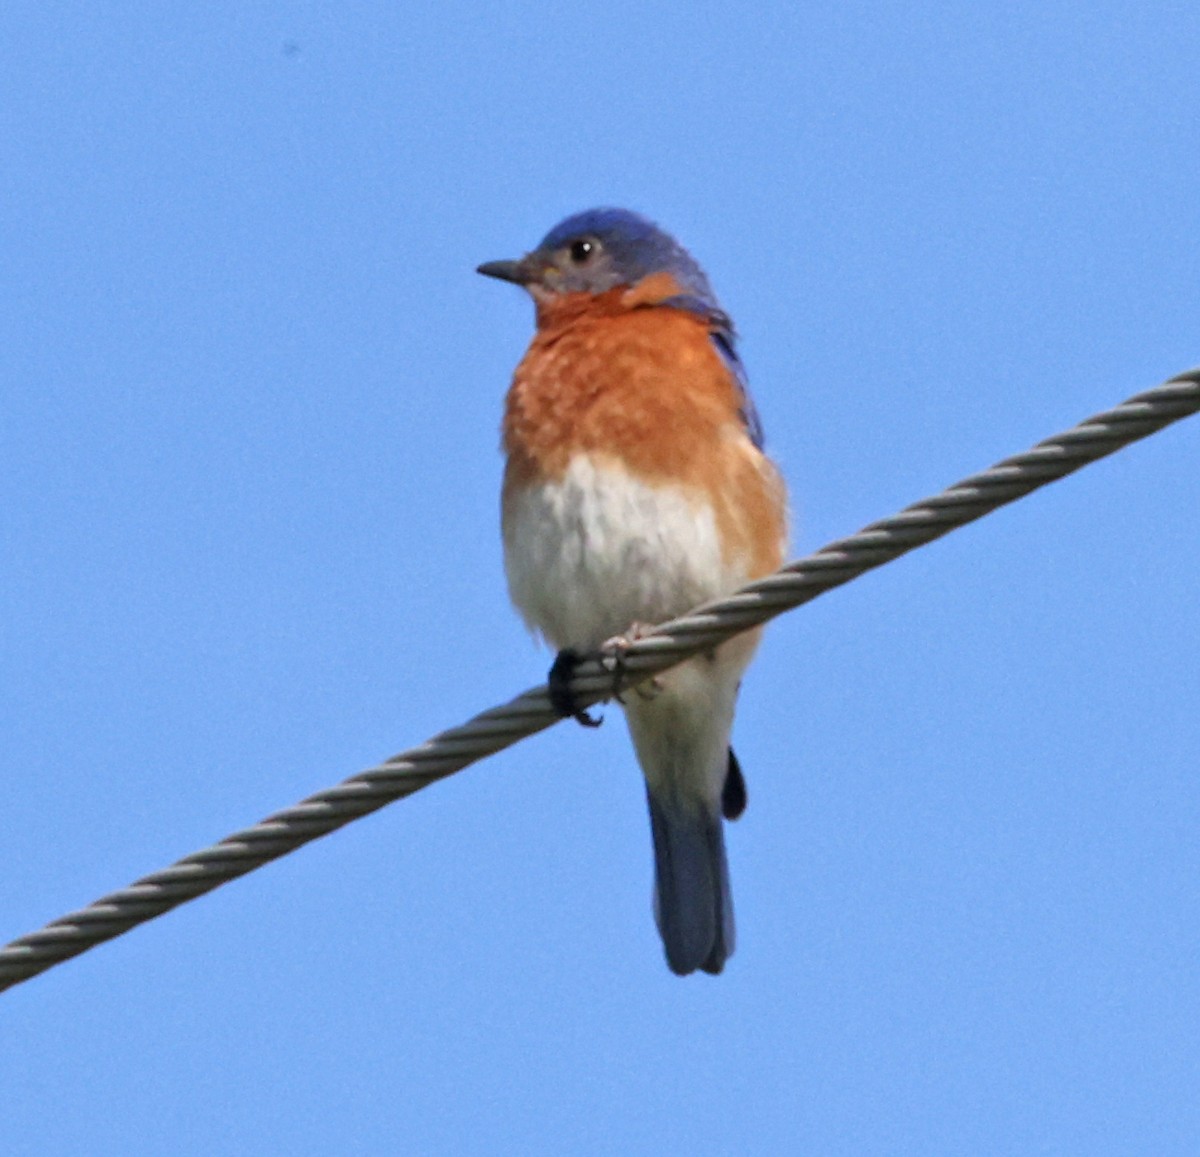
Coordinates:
<point>635,488</point>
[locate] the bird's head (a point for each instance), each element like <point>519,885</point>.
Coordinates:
<point>601,249</point>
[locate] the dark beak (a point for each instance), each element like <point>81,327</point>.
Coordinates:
<point>518,272</point>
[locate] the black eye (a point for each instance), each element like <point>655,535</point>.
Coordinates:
<point>581,250</point>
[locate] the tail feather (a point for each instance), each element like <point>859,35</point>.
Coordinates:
<point>733,792</point>
<point>681,733</point>
<point>693,904</point>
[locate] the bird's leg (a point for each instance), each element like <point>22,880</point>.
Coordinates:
<point>562,698</point>
<point>612,657</point>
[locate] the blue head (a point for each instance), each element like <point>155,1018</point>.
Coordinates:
<point>600,249</point>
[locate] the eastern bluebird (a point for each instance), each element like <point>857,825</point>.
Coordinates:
<point>636,488</point>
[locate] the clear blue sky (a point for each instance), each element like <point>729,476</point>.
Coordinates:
<point>248,546</point>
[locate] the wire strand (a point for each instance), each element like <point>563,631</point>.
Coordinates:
<point>793,585</point>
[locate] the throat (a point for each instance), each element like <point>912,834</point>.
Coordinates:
<point>559,310</point>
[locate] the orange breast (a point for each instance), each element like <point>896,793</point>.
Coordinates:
<point>646,389</point>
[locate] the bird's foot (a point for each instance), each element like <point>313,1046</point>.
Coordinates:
<point>562,698</point>
<point>612,658</point>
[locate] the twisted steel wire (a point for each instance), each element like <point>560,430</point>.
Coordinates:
<point>796,583</point>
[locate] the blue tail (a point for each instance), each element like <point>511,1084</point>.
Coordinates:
<point>693,905</point>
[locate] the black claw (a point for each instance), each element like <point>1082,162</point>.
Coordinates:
<point>733,794</point>
<point>562,698</point>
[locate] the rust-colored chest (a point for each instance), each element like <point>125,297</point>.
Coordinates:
<point>643,385</point>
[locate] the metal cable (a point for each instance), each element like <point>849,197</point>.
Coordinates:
<point>796,583</point>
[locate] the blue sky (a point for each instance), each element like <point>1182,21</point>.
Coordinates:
<point>248,546</point>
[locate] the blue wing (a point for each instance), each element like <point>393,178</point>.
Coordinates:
<point>725,340</point>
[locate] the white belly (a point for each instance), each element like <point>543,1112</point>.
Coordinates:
<point>591,554</point>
